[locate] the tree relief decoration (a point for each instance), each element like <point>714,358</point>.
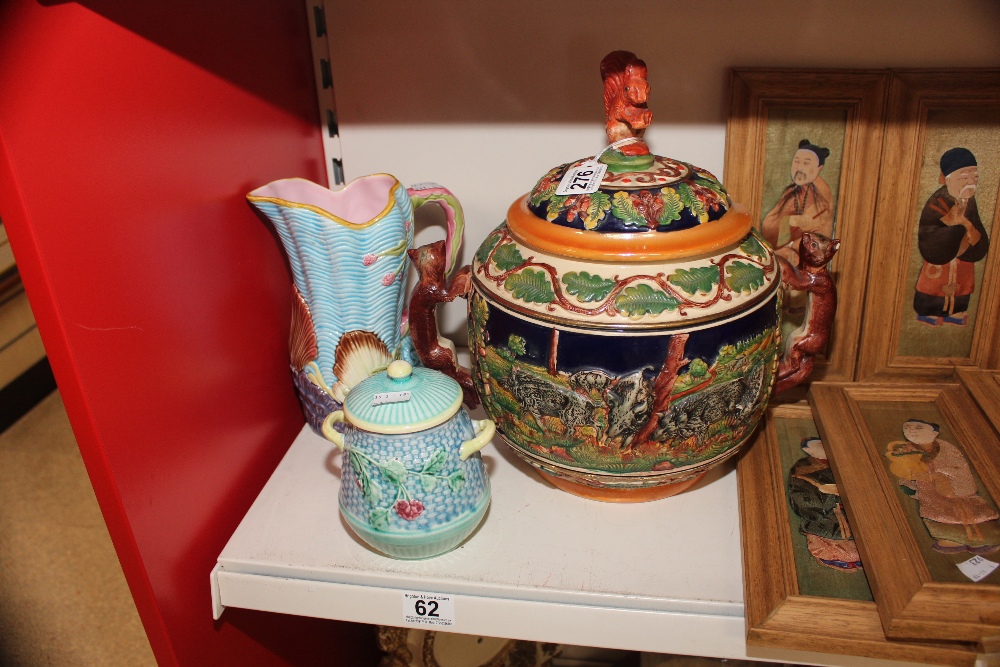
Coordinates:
<point>684,290</point>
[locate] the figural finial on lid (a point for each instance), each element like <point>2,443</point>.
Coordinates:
<point>626,92</point>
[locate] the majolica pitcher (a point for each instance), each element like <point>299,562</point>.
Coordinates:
<point>348,255</point>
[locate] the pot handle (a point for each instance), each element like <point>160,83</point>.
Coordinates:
<point>334,436</point>
<point>485,429</point>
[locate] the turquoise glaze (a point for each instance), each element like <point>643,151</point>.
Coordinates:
<point>327,237</point>
<point>430,397</point>
<point>348,254</point>
<point>413,483</point>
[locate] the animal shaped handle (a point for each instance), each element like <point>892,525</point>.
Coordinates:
<point>433,288</point>
<point>812,277</point>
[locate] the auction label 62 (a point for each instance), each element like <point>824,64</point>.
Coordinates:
<point>428,609</point>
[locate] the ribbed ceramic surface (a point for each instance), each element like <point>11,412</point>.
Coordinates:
<point>434,397</point>
<point>412,482</point>
<point>352,276</point>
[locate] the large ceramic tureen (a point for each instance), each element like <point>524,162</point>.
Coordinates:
<point>624,323</point>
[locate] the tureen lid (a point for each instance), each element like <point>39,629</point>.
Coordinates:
<point>626,240</point>
<point>627,202</point>
<point>402,399</point>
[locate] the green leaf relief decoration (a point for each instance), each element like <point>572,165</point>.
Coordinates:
<point>691,201</point>
<point>744,277</point>
<point>507,257</point>
<point>428,482</point>
<point>600,204</point>
<point>586,287</point>
<point>622,207</point>
<point>379,519</point>
<point>541,194</point>
<point>555,207</point>
<point>394,471</point>
<point>752,246</point>
<point>487,247</point>
<point>456,481</point>
<point>714,186</point>
<point>369,487</point>
<point>697,279</point>
<point>531,286</point>
<point>643,299</point>
<point>435,463</point>
<point>672,207</point>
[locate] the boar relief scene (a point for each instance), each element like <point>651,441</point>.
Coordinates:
<point>652,404</point>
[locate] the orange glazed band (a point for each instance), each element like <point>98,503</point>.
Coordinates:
<point>706,238</point>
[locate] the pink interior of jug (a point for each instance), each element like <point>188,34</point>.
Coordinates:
<point>358,202</point>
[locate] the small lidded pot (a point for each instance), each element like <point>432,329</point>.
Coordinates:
<point>413,483</point>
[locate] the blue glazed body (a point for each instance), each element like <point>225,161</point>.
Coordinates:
<point>352,276</point>
<point>413,484</point>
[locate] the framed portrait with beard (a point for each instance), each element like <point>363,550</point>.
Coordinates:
<point>933,299</point>
<point>801,147</point>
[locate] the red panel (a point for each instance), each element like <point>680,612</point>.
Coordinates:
<point>161,298</point>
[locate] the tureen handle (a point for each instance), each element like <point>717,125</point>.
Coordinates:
<point>435,287</point>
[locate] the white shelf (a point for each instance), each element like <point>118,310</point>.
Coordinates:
<point>663,577</point>
<point>544,565</point>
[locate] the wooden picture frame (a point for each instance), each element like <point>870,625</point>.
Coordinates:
<point>783,607</point>
<point>920,320</point>
<point>771,111</point>
<point>921,524</point>
<point>984,385</point>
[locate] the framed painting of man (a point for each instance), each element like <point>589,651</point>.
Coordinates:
<point>804,583</point>
<point>917,469</point>
<point>801,150</point>
<point>932,299</point>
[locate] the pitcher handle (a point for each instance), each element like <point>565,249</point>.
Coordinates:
<point>432,193</point>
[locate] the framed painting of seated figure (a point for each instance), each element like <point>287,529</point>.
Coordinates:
<point>917,469</point>
<point>804,582</point>
<point>801,147</point>
<point>933,299</point>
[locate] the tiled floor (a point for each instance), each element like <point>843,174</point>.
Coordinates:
<point>63,598</point>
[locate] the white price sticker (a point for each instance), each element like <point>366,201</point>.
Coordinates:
<point>977,568</point>
<point>582,179</point>
<point>426,185</point>
<point>391,397</point>
<point>428,609</point>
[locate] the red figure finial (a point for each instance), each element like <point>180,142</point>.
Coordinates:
<point>625,94</point>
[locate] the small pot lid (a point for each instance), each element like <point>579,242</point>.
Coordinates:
<point>402,399</point>
<point>626,201</point>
